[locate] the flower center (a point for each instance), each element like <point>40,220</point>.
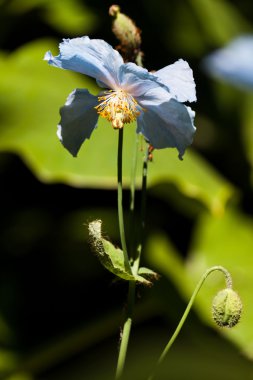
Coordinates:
<point>118,107</point>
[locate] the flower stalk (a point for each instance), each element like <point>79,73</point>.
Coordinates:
<point>132,197</point>
<point>228,280</point>
<point>131,292</point>
<point>136,260</point>
<point>126,331</point>
<point>120,200</point>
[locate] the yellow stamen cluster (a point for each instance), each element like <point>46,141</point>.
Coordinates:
<point>118,107</point>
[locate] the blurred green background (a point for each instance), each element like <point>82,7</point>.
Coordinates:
<point>60,311</point>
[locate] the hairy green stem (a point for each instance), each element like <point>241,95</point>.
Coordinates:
<point>187,310</point>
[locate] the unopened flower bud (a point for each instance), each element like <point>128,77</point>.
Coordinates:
<point>127,33</point>
<point>227,308</point>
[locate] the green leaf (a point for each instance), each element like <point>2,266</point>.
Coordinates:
<point>193,177</point>
<point>227,241</point>
<point>71,17</point>
<point>20,376</point>
<point>219,19</point>
<point>148,274</point>
<point>111,258</point>
<point>8,361</point>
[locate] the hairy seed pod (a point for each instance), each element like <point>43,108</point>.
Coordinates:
<point>226,308</point>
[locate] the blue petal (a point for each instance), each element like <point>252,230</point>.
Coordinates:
<point>178,77</point>
<point>136,80</point>
<point>166,125</point>
<point>234,63</point>
<point>78,120</point>
<point>95,58</point>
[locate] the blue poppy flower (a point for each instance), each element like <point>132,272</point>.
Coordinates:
<point>130,93</point>
<point>233,63</point>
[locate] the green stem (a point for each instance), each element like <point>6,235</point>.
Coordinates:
<point>133,173</point>
<point>136,263</point>
<point>132,285</point>
<point>120,205</point>
<point>132,196</point>
<point>126,331</point>
<point>187,310</point>
<point>128,322</point>
<point>143,199</point>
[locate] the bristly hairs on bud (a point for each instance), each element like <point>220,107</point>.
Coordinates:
<point>128,34</point>
<point>227,308</point>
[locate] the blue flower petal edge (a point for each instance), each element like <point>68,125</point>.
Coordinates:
<point>78,120</point>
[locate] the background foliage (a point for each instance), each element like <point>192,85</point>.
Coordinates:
<point>60,311</point>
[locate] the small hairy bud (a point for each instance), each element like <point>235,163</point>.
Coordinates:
<point>124,28</point>
<point>127,33</point>
<point>227,308</point>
